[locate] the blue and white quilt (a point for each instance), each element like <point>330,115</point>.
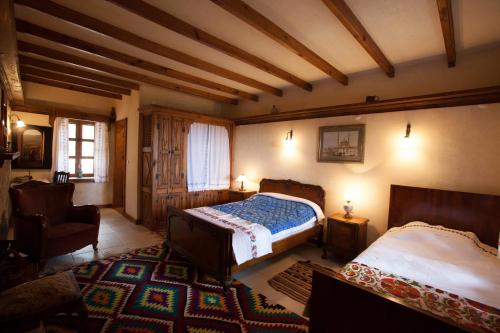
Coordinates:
<point>276,214</point>
<point>259,219</point>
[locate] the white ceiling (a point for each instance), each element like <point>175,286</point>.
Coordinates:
<point>405,30</point>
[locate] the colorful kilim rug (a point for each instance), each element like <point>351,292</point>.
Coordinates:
<point>142,292</point>
<point>296,281</point>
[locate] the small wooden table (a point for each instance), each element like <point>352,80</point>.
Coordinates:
<point>346,238</point>
<point>237,195</point>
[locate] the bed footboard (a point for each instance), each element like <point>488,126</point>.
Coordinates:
<point>340,306</point>
<point>205,244</point>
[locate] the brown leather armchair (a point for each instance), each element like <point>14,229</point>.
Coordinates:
<point>46,224</point>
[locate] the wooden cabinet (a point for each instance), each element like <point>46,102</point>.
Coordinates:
<point>346,238</point>
<point>163,149</point>
<point>237,195</point>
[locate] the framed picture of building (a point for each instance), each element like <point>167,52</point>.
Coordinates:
<point>341,143</point>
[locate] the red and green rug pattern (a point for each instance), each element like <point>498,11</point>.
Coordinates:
<point>142,292</point>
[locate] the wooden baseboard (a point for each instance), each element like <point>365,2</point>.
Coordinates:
<point>104,206</point>
<point>126,215</point>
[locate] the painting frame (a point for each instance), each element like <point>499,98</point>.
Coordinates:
<point>45,162</point>
<point>342,152</point>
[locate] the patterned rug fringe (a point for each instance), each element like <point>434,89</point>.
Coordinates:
<point>296,281</point>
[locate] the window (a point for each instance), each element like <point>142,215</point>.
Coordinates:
<point>208,162</point>
<point>81,136</point>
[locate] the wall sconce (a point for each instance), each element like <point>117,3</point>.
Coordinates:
<point>408,131</point>
<point>19,122</point>
<point>288,142</point>
<point>274,110</point>
<point>242,178</point>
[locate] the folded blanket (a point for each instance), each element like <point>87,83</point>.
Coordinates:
<point>250,240</point>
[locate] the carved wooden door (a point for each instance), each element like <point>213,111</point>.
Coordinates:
<point>163,151</point>
<point>177,155</point>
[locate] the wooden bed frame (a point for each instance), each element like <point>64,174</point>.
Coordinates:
<point>338,305</point>
<point>209,246</point>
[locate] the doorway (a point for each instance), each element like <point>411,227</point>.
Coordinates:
<point>119,174</point>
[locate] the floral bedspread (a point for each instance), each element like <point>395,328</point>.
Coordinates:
<point>471,315</point>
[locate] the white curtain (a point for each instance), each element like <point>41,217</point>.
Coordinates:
<point>208,164</point>
<point>101,153</point>
<point>60,145</point>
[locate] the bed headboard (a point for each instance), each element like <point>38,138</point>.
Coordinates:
<point>314,193</point>
<point>479,213</point>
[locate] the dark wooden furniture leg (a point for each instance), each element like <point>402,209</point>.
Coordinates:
<point>83,316</point>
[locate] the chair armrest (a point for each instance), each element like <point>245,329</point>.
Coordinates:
<point>84,214</point>
<point>31,233</point>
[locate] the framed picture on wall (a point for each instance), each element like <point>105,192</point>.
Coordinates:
<point>34,143</point>
<point>341,143</point>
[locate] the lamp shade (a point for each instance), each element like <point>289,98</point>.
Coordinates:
<point>20,124</point>
<point>241,178</point>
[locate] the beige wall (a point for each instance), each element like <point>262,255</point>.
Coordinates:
<point>154,95</point>
<point>42,94</point>
<point>450,148</point>
<point>474,69</point>
<point>128,108</point>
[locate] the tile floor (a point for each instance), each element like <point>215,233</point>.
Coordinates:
<point>118,235</point>
<point>257,276</point>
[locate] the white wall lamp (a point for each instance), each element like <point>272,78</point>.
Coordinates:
<point>19,122</point>
<point>288,142</point>
<point>408,131</point>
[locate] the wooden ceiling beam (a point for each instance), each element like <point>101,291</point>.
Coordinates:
<point>249,15</point>
<point>158,16</point>
<point>9,66</point>
<point>447,99</point>
<point>446,18</point>
<point>51,66</point>
<point>65,57</point>
<point>53,112</point>
<point>68,86</point>
<point>73,80</point>
<point>35,30</point>
<point>345,15</point>
<point>72,16</point>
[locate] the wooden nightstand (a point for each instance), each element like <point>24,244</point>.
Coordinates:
<point>237,195</point>
<point>346,238</point>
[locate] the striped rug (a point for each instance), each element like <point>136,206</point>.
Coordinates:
<point>296,281</point>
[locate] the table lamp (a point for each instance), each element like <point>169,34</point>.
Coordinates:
<point>242,178</point>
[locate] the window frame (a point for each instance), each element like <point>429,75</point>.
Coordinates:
<point>78,146</point>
